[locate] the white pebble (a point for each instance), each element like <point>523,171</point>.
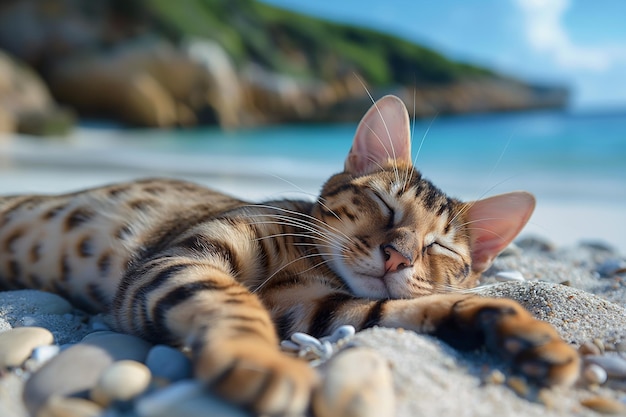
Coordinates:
<point>595,374</point>
<point>290,346</point>
<point>341,333</point>
<point>122,381</point>
<point>613,365</point>
<point>44,353</point>
<point>304,339</point>
<point>506,276</point>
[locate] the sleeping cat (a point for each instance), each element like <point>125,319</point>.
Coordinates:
<point>177,263</point>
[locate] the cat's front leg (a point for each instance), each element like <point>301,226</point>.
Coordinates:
<point>533,347</point>
<point>234,348</point>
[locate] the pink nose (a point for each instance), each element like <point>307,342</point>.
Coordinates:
<point>394,260</point>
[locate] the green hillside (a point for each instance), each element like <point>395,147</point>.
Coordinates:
<point>304,46</point>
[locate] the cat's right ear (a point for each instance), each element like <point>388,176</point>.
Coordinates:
<point>382,137</point>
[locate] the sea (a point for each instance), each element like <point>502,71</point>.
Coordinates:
<point>574,162</point>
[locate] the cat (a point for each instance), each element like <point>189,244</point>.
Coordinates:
<point>174,262</point>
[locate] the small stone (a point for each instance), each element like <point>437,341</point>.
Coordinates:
<point>604,405</point>
<point>589,348</point>
<point>43,354</point>
<point>600,344</point>
<point>496,377</point>
<point>518,385</point>
<point>357,382</point>
<point>505,276</point>
<point>187,398</point>
<point>22,303</point>
<point>169,363</point>
<point>122,381</point>
<point>614,365</point>
<point>16,345</point>
<point>611,267</point>
<point>58,406</point>
<point>595,374</point>
<point>79,367</point>
<point>534,243</point>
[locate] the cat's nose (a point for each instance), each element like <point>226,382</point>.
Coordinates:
<point>394,260</point>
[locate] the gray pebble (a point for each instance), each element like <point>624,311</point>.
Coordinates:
<point>614,365</point>
<point>611,267</point>
<point>169,363</point>
<point>185,399</point>
<point>22,303</point>
<point>16,345</point>
<point>78,368</point>
<point>534,243</point>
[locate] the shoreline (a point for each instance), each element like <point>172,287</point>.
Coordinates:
<point>563,222</point>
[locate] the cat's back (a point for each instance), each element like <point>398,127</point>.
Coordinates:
<point>77,244</point>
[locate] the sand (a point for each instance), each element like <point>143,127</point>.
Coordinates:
<point>565,287</point>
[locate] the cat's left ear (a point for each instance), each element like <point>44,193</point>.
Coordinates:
<point>494,222</point>
<point>382,137</point>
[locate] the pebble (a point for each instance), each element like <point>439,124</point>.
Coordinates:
<point>533,243</point>
<point>122,381</point>
<point>604,405</point>
<point>595,374</point>
<point>119,345</point>
<point>505,276</point>
<point>79,367</point>
<point>169,363</point>
<point>614,365</point>
<point>58,406</point>
<point>611,267</point>
<point>356,382</point>
<point>20,303</point>
<point>16,345</point>
<point>589,348</point>
<point>43,354</point>
<point>187,398</point>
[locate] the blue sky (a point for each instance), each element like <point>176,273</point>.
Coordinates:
<point>580,43</point>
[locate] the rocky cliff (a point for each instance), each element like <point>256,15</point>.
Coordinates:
<point>163,63</point>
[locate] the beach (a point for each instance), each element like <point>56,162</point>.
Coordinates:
<point>571,258</point>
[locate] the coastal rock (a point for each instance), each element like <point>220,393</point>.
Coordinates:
<point>122,381</point>
<point>16,345</point>
<point>26,105</point>
<point>168,363</point>
<point>78,368</point>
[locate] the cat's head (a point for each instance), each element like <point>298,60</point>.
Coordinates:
<point>391,233</point>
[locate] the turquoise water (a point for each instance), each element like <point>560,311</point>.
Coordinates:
<point>555,153</point>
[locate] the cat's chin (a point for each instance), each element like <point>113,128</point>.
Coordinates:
<point>367,286</point>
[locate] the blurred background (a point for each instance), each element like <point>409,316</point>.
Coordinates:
<point>260,99</point>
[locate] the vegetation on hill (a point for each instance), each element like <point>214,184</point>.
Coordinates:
<point>307,47</point>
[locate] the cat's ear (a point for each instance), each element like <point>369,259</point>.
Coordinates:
<point>383,136</point>
<point>494,222</point>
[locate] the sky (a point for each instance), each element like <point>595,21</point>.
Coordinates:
<point>578,43</point>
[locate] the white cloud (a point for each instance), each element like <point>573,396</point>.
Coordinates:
<point>546,33</point>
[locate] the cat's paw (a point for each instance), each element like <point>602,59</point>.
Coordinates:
<point>534,347</point>
<point>258,377</point>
